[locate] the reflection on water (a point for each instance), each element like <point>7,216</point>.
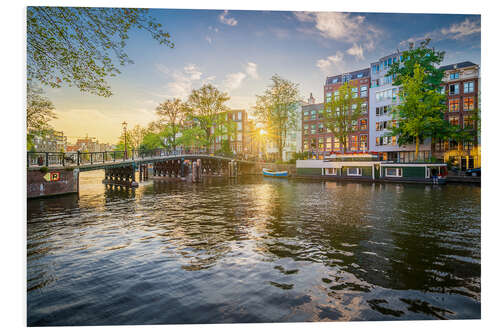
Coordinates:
<point>253,250</point>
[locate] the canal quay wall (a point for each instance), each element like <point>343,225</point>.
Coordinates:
<point>45,183</point>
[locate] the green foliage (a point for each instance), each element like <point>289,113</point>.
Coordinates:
<point>277,108</point>
<point>78,45</point>
<point>44,169</point>
<point>193,137</point>
<point>427,58</point>
<point>205,109</point>
<point>342,113</point>
<point>39,110</point>
<point>172,113</point>
<point>151,141</point>
<point>420,115</point>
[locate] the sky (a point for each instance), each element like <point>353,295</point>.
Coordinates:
<point>238,51</point>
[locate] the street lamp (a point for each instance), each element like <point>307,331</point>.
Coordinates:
<point>124,125</point>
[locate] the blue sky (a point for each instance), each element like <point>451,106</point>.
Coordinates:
<point>238,51</point>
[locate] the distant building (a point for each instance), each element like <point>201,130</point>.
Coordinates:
<point>237,142</point>
<point>51,141</point>
<point>461,84</point>
<point>88,144</point>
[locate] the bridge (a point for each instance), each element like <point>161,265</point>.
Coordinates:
<point>51,173</point>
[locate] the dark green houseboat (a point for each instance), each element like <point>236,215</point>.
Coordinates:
<point>367,167</point>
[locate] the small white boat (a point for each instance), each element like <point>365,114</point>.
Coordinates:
<point>270,173</point>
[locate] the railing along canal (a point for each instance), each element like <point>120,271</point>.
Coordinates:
<point>78,158</point>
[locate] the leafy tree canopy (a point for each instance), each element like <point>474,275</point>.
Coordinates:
<point>426,57</point>
<point>78,45</point>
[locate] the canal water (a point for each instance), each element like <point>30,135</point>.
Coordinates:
<point>253,250</point>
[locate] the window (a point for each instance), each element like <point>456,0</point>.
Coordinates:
<point>468,87</point>
<point>375,68</point>
<point>363,142</point>
<point>363,124</point>
<point>454,120</point>
<point>360,75</point>
<point>239,137</point>
<point>336,95</point>
<point>454,89</point>
<point>393,172</point>
<point>328,97</point>
<point>354,92</point>
<point>364,107</point>
<point>336,143</point>
<point>468,121</point>
<point>240,126</point>
<point>354,143</point>
<point>377,141</point>
<point>353,171</point>
<point>313,115</point>
<point>394,140</point>
<point>454,105</point>
<point>364,91</point>
<point>375,83</point>
<point>320,128</point>
<point>239,115</point>
<point>394,94</point>
<point>321,144</point>
<point>468,103</point>
<point>313,129</point>
<point>454,76</point>
<point>442,90</point>
<point>330,171</point>
<point>329,143</point>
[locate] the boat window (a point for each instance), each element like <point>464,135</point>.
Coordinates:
<point>393,172</point>
<point>330,171</point>
<point>353,171</point>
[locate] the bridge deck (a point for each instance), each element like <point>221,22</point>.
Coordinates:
<point>87,166</point>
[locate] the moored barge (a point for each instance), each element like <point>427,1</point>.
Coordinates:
<point>367,167</point>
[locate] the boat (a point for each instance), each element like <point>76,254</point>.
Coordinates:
<point>270,173</point>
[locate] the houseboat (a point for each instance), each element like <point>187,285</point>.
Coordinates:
<point>368,167</point>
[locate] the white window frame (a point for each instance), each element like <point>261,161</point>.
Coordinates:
<point>399,172</point>
<point>326,173</point>
<point>358,172</point>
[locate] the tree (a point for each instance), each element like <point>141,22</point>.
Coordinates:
<point>151,141</point>
<point>205,107</point>
<point>277,109</point>
<point>420,112</point>
<point>193,137</point>
<point>342,112</point>
<point>427,58</point>
<point>39,112</point>
<point>78,45</point>
<point>135,136</point>
<point>172,112</point>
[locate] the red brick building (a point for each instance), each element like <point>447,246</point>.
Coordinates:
<point>461,86</point>
<point>316,138</point>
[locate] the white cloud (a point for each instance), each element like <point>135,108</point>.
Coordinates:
<point>356,51</point>
<point>463,29</point>
<point>455,31</point>
<point>208,39</point>
<point>181,82</point>
<point>193,72</point>
<point>224,18</point>
<point>340,26</point>
<point>251,70</point>
<point>233,80</point>
<point>332,63</point>
<point>344,27</point>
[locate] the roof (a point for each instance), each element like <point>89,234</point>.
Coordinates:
<point>362,73</point>
<point>457,65</point>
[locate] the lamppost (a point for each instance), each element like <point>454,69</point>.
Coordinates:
<point>262,133</point>
<point>124,125</point>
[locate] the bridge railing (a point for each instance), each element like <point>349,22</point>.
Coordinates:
<point>51,159</point>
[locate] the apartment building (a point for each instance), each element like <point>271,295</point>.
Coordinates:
<point>236,142</point>
<point>461,84</point>
<point>384,97</point>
